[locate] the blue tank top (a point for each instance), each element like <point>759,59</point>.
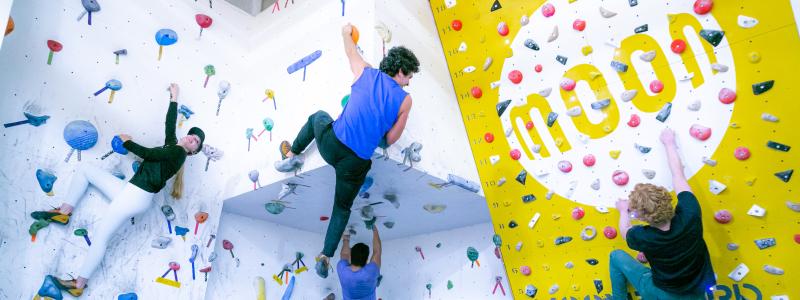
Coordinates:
<point>375,100</point>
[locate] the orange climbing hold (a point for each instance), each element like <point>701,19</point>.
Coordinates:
<point>355,35</point>
<point>10,26</point>
<point>489,137</point>
<point>456,25</point>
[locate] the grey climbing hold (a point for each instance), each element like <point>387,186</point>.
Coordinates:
<point>596,184</point>
<point>434,208</point>
<point>549,195</point>
<point>551,119</point>
<point>643,149</point>
<point>648,56</point>
<point>649,174</point>
<point>553,35</point>
<point>733,246</point>
<point>695,105</point>
<point>598,105</point>
<point>598,285</point>
<point>545,92</point>
<point>212,257</point>
<point>536,148</point>
<point>793,206</point>
<point>501,181</point>
<point>773,270</point>
<point>528,198</point>
<point>487,63</point>
<point>463,183</point>
<point>719,67</point>
<point>714,37</point>
<point>778,146</point>
<point>628,95</point>
<point>619,66</point>
<point>607,13</point>
<point>512,224</point>
<point>501,107</point>
<point>785,175</point>
<point>522,176</point>
<point>633,3</point>
<point>765,243</point>
<point>569,265</point>
<point>640,29</point>
<point>530,290</point>
<point>763,87</point>
<point>592,261</point>
<point>519,246</point>
<point>709,161</point>
<point>588,233</point>
<point>531,45</point>
<point>561,59</point>
<point>388,224</point>
<point>563,240</point>
<point>663,114</point>
<point>769,117</point>
<point>524,20</point>
<point>574,111</point>
<point>161,242</point>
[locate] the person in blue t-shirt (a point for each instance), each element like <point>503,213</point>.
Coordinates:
<point>375,115</point>
<point>680,267</point>
<point>358,278</point>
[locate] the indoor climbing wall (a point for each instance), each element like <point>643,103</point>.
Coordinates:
<point>564,100</point>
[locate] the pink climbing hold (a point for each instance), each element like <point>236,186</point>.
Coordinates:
<point>620,177</point>
<point>476,92</point>
<point>502,29</point>
<point>515,154</point>
<point>489,137</point>
<point>456,25</point>
<point>525,270</point>
<point>529,125</point>
<point>548,10</point>
<point>678,46</point>
<point>797,238</point>
<point>640,257</point>
<point>702,7</point>
<point>567,84</point>
<point>700,132</point>
<point>610,232</point>
<point>538,68</point>
<point>515,76</point>
<point>741,153</point>
<point>578,213</point>
<point>727,96</point>
<point>579,25</point>
<point>656,86</point>
<point>589,160</point>
<point>723,216</point>
<point>634,121</point>
<point>565,166</point>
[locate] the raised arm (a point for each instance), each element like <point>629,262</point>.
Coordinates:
<point>402,117</point>
<point>345,253</point>
<point>376,247</point>
<point>152,154</point>
<point>172,116</point>
<point>357,63</point>
<point>675,164</point>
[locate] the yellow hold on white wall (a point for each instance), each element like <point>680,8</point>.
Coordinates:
<point>608,76</point>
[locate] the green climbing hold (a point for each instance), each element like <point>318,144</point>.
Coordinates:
<point>714,37</point>
<point>472,254</point>
<point>762,87</point>
<point>501,107</point>
<point>80,232</point>
<point>496,240</point>
<point>449,285</point>
<point>785,175</point>
<point>274,207</point>
<point>496,5</point>
<point>345,99</point>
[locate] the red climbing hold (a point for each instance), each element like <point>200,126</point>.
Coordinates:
<point>741,153</point>
<point>727,96</point>
<point>678,46</point>
<point>620,177</point>
<point>797,238</point>
<point>476,92</point>
<point>502,28</point>
<point>634,121</point>
<point>567,84</point>
<point>489,137</point>
<point>456,25</point>
<point>589,160</point>
<point>656,86</point>
<point>702,7</point>
<point>323,218</point>
<point>640,257</point>
<point>538,68</point>
<point>548,10</point>
<point>565,166</point>
<point>610,232</point>
<point>723,216</point>
<point>579,25</point>
<point>700,132</point>
<point>515,76</point>
<point>578,213</point>
<point>529,125</point>
<point>515,154</point>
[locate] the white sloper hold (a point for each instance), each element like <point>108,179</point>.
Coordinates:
<point>509,131</point>
<point>773,270</point>
<point>709,162</point>
<point>519,246</point>
<point>695,105</point>
<point>649,174</point>
<point>495,84</point>
<point>739,272</point>
<point>793,206</point>
<point>462,47</point>
<point>501,181</point>
<point>716,187</point>
<point>628,95</point>
<point>487,63</point>
<point>574,111</point>
<point>648,56</point>
<point>494,159</point>
<point>779,297</point>
<point>583,138</point>
<point>545,92</point>
<point>553,288</point>
<point>549,195</point>
<point>607,13</point>
<point>601,209</point>
<point>449,3</point>
<point>534,220</point>
<point>769,117</point>
<point>524,20</point>
<point>596,184</point>
<point>757,211</point>
<point>719,67</point>
<point>572,185</point>
<point>469,69</point>
<point>536,148</point>
<point>553,35</point>
<point>746,22</point>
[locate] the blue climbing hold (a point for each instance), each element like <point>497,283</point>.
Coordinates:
<point>128,296</point>
<point>80,135</point>
<point>166,37</point>
<point>46,180</point>
<point>50,289</point>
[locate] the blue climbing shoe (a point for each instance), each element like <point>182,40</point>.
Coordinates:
<point>322,265</point>
<point>289,165</point>
<point>49,289</point>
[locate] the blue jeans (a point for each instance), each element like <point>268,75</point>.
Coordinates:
<point>624,269</point>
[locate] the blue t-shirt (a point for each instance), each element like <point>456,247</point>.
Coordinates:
<point>358,285</point>
<point>375,100</point>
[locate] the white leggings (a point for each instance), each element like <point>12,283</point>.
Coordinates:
<point>127,200</point>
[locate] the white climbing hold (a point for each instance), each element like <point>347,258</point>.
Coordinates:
<point>509,131</point>
<point>648,56</point>
<point>554,288</point>
<point>501,181</point>
<point>462,47</point>
<point>524,20</point>
<point>629,95</point>
<point>649,174</point>
<point>487,63</point>
<point>685,77</point>
<point>716,187</point>
<point>495,84</point>
<point>612,43</point>
<point>534,220</point>
<point>739,272</point>
<point>596,184</point>
<point>756,211</point>
<point>793,205</point>
<point>583,138</point>
<point>536,148</point>
<point>719,67</point>
<point>519,246</point>
<point>549,195</point>
<point>746,22</point>
<point>553,35</point>
<point>469,69</point>
<point>607,13</point>
<point>449,3</point>
<point>569,265</point>
<point>546,92</point>
<point>541,173</point>
<point>574,111</point>
<point>588,233</point>
<point>778,297</point>
<point>572,185</point>
<point>494,159</point>
<point>769,117</point>
<point>709,162</point>
<point>773,270</point>
<point>695,105</point>
<point>601,209</point>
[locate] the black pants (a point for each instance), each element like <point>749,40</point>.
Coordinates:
<point>350,172</point>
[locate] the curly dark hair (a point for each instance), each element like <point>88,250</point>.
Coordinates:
<point>399,58</point>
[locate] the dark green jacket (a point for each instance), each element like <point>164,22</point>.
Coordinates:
<point>159,163</point>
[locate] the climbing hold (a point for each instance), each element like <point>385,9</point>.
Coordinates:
<point>579,25</point>
<point>773,270</point>
<point>762,87</point>
<point>562,240</point>
<point>512,224</point>
<point>595,184</point>
<point>598,285</point>
<point>649,174</point>
<point>565,166</point>
<point>678,46</point>
<point>732,246</point>
<point>663,114</point>
<point>694,106</point>
<point>741,153</point>
<point>501,107</point>
<point>476,92</point>
<point>569,265</point>
<point>553,35</point>
<point>756,211</point>
<point>525,270</point>
<point>648,56</point>
<point>561,59</point>
<point>785,175</point>
<point>548,10</point>
<point>610,232</point>
<point>434,208</point>
<point>713,37</point>
<point>614,153</point>
<point>633,3</point>
<point>746,22</point>
<point>524,20</point>
<point>702,7</point>
<point>549,195</point>
<point>531,45</point>
<point>700,132</point>
<point>489,137</point>
<point>628,95</point>
<point>522,174</point>
<point>502,28</point>
<point>620,177</point>
<point>545,92</point>
<point>529,125</point>
<point>588,233</point>
<point>793,206</point>
<point>586,50</point>
<point>765,243</point>
<point>533,220</point>
<point>797,238</point>
<point>469,69</point>
<point>589,160</point>
<point>607,13</point>
<point>519,246</point>
<point>769,117</point>
<point>578,213</point>
<point>709,161</point>
<point>601,209</point>
<point>530,290</point>
<point>494,159</point>
<point>487,63</point>
<point>551,119</point>
<point>567,84</point>
<point>619,66</point>
<point>778,146</point>
<point>643,149</point>
<point>719,67</point>
<point>754,57</point>
<point>739,272</point>
<point>528,198</point>
<point>716,187</point>
<point>456,25</point>
<point>46,179</point>
<point>515,76</point>
<point>536,148</point>
<point>656,86</point>
<point>641,258</point>
<point>641,29</point>
<point>590,261</point>
<point>598,105</point>
<point>160,242</point>
<point>723,216</point>
<point>538,69</point>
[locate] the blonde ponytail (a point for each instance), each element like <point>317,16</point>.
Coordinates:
<point>177,186</point>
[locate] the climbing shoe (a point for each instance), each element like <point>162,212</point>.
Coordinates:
<point>289,164</point>
<point>70,287</point>
<point>322,265</point>
<point>53,215</point>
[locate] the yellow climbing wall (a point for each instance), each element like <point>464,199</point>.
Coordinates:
<point>766,51</point>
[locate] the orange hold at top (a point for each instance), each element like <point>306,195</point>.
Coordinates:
<point>355,35</point>
<point>10,26</point>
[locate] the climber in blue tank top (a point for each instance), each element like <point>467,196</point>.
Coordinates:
<point>375,115</point>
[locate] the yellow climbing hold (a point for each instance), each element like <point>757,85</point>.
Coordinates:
<point>540,244</point>
<point>607,129</point>
<point>754,57</point>
<point>614,153</point>
<point>672,18</point>
<point>546,267</point>
<point>559,142</point>
<point>556,216</point>
<point>576,287</point>
<point>750,180</point>
<point>509,52</point>
<point>586,50</point>
<point>735,125</point>
<point>594,75</point>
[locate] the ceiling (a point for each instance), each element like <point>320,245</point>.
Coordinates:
<point>254,7</point>
<point>413,192</point>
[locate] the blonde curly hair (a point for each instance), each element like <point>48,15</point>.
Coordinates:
<point>652,203</point>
